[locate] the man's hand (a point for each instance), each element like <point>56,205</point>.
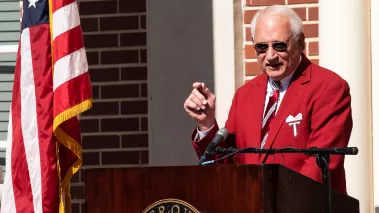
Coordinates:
<point>200,105</point>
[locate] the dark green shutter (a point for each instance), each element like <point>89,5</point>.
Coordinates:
<point>9,36</point>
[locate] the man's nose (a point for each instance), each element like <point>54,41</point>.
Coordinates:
<point>271,53</point>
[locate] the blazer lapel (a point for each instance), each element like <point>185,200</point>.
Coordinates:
<point>290,100</point>
<point>255,115</point>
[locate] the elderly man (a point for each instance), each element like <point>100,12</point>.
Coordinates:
<point>293,103</point>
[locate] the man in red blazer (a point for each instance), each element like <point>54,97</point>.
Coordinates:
<point>293,103</point>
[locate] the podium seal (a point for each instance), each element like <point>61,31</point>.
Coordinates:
<point>170,206</point>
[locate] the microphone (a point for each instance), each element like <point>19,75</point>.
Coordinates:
<point>220,136</point>
<point>344,151</point>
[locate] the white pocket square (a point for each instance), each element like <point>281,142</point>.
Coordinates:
<point>291,119</point>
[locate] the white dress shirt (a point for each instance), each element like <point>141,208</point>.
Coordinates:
<point>285,82</point>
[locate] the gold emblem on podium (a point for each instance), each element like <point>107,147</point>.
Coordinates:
<point>170,206</point>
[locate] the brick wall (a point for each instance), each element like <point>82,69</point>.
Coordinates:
<point>114,131</point>
<point>308,12</point>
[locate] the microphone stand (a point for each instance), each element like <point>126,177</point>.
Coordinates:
<point>322,159</point>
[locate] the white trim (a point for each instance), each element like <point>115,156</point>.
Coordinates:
<point>8,48</point>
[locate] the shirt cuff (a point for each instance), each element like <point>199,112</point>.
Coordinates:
<point>201,134</point>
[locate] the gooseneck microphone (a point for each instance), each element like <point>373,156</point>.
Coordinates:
<point>220,136</point>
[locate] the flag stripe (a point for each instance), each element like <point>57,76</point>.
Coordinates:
<point>20,174</point>
<point>65,19</point>
<point>67,43</point>
<point>76,62</point>
<point>29,119</point>
<point>80,83</point>
<point>60,3</point>
<point>43,82</point>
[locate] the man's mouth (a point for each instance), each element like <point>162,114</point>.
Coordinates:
<point>274,66</point>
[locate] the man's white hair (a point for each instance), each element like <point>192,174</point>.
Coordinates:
<point>281,10</point>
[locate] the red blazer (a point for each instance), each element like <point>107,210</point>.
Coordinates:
<point>322,98</point>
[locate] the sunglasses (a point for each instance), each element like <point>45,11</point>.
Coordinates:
<point>278,46</point>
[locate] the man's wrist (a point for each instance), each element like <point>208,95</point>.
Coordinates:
<point>201,134</point>
<point>204,127</point>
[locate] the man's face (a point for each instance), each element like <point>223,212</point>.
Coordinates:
<point>278,54</point>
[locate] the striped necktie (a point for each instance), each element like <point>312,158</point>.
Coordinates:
<point>270,112</point>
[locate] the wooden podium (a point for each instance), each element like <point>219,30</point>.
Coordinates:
<point>268,188</point>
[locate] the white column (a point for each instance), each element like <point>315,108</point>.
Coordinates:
<point>223,50</point>
<point>344,33</point>
<point>375,96</point>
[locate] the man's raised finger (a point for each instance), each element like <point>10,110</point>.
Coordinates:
<point>201,97</point>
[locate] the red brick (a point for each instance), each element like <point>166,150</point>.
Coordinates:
<point>82,175</point>
<point>313,13</point>
<point>133,141</point>
<point>75,177</point>
<point>311,30</point>
<point>103,108</point>
<point>89,125</point>
<point>315,61</point>
<point>144,125</point>
<point>313,48</point>
<point>132,39</point>
<point>144,157</point>
<point>119,57</point>
<point>89,24</point>
<point>250,51</point>
<point>75,208</point>
<point>95,92</point>
<point>84,208</point>
<point>121,157</point>
<point>119,124</point>
<point>263,2</point>
<point>120,91</point>
<point>134,73</point>
<point>92,58</point>
<point>132,6</point>
<point>302,12</point>
<point>249,15</point>
<point>103,40</point>
<point>97,7</point>
<point>101,142</point>
<point>252,68</point>
<point>301,1</point>
<point>77,192</point>
<point>248,34</point>
<point>143,22</point>
<point>133,107</point>
<point>91,158</point>
<point>119,23</point>
<point>104,74</point>
<point>143,55</point>
<point>143,90</point>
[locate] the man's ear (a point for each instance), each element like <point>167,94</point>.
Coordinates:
<point>301,41</point>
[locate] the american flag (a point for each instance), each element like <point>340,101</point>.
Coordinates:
<point>51,88</point>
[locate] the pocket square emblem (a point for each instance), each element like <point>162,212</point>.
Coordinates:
<point>294,121</point>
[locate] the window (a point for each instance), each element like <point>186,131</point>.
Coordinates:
<point>9,36</point>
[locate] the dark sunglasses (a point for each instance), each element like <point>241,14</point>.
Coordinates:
<point>278,46</point>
